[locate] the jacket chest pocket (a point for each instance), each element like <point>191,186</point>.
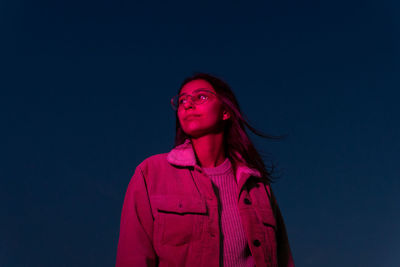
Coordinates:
<point>178,220</point>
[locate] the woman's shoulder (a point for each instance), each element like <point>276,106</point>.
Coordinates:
<point>154,161</point>
<point>156,171</point>
<point>168,163</point>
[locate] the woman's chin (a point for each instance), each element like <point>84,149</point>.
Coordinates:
<point>197,133</point>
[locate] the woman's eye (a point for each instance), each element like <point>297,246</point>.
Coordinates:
<point>182,101</point>
<point>202,97</point>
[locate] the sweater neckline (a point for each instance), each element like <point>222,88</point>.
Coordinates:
<point>220,169</point>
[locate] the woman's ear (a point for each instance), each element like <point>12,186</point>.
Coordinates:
<point>225,115</point>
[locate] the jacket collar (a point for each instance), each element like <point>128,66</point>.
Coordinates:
<point>183,155</point>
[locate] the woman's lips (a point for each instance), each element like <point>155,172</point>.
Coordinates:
<point>191,117</point>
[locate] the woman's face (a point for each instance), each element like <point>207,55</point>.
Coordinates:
<point>202,119</point>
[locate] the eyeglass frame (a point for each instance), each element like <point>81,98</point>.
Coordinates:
<point>191,97</point>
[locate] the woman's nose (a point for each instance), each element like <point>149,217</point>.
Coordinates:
<point>188,103</point>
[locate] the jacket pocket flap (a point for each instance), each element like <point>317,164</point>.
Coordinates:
<point>266,216</point>
<point>179,204</point>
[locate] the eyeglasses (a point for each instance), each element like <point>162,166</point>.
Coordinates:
<point>198,97</point>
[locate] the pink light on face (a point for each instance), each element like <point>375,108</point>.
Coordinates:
<point>199,120</point>
<point>191,117</point>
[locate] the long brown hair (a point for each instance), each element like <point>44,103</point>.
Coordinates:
<point>236,140</point>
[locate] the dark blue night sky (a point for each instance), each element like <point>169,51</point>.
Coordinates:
<point>85,90</point>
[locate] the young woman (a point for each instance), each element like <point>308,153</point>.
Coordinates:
<point>207,202</point>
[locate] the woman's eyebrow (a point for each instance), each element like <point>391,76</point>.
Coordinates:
<point>194,91</point>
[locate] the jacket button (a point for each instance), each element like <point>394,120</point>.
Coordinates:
<point>256,243</point>
<point>247,201</point>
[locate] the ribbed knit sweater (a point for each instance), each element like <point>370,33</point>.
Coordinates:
<point>234,247</point>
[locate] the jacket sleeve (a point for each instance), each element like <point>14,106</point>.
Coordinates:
<point>135,245</point>
<point>285,258</point>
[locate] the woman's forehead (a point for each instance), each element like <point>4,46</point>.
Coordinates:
<point>195,85</point>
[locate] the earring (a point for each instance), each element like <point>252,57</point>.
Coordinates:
<point>226,116</point>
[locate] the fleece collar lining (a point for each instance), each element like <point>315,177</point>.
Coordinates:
<point>183,155</point>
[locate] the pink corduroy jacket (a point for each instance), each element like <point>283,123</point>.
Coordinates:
<point>170,215</point>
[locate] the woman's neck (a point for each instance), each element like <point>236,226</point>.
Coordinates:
<point>209,149</point>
